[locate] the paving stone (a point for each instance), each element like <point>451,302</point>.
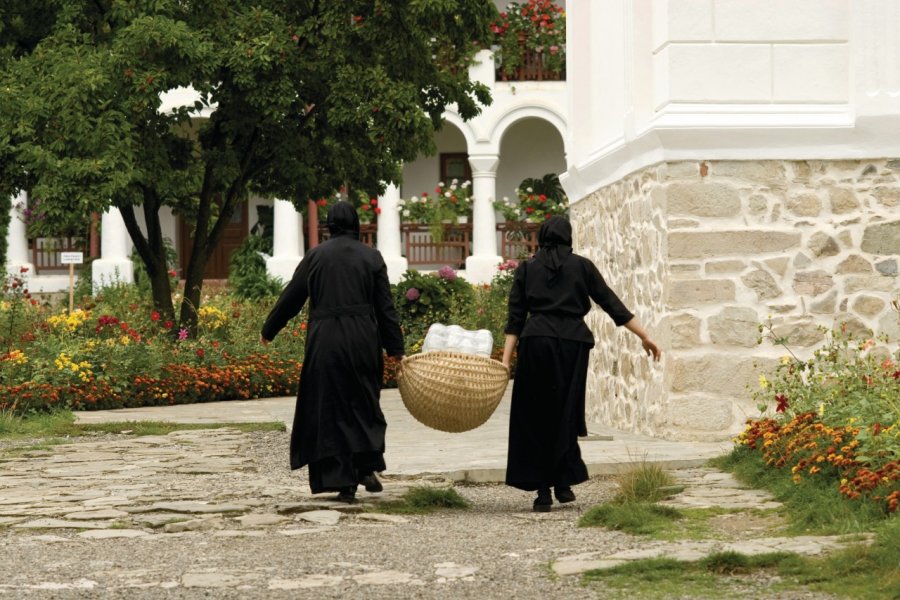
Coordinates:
<point>384,578</point>
<point>155,520</point>
<point>195,525</point>
<point>230,533</point>
<point>195,507</point>
<point>321,517</point>
<point>61,524</point>
<point>214,580</point>
<point>261,520</point>
<point>312,581</point>
<point>107,534</point>
<point>382,518</point>
<point>97,514</point>
<point>450,570</point>
<point>305,530</point>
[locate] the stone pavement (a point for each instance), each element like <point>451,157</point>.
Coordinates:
<point>413,449</point>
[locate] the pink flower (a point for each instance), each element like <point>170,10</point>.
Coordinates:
<point>447,272</point>
<point>554,49</point>
<point>412,294</point>
<point>182,334</point>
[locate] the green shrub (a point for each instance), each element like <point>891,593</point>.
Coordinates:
<point>247,274</point>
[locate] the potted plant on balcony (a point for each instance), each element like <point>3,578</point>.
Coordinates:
<point>531,33</point>
<point>366,208</point>
<point>426,210</point>
<point>456,199</point>
<point>538,200</point>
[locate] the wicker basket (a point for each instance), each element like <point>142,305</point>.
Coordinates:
<point>451,391</point>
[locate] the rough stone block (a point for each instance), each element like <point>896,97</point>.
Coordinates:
<point>824,306</point>
<point>703,199</point>
<point>843,200</point>
<point>854,264</point>
<point>868,306</point>
<point>822,244</point>
<point>701,244</point>
<point>882,238</point>
<point>684,293</point>
<point>802,331</point>
<point>762,283</point>
<point>887,196</point>
<point>726,266</point>
<point>762,172</point>
<point>887,267</point>
<point>852,325</point>
<point>779,265</point>
<point>685,331</point>
<point>682,223</point>
<point>719,373</point>
<point>699,411</point>
<point>812,283</point>
<point>734,326</point>
<point>870,283</point>
<point>804,205</point>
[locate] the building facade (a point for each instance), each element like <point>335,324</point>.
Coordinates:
<point>735,163</point>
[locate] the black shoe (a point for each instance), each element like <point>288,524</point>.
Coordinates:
<point>371,483</point>
<point>543,502</point>
<point>347,495</point>
<point>564,494</point>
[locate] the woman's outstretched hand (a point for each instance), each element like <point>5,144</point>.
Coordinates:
<point>651,349</point>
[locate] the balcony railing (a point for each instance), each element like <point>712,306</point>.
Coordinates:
<point>533,68</point>
<point>518,240</point>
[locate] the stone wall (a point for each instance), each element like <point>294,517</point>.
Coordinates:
<point>621,228</point>
<point>805,243</point>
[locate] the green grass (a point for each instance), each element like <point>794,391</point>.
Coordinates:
<point>645,482</point>
<point>62,424</point>
<point>813,507</point>
<point>424,500</point>
<point>639,518</point>
<point>860,571</point>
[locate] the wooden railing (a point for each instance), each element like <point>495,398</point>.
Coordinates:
<point>533,68</point>
<point>518,240</point>
<point>422,249</point>
<point>45,252</point>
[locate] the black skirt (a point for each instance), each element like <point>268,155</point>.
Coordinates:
<point>547,414</point>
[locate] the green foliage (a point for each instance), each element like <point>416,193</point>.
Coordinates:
<point>247,273</point>
<point>422,299</point>
<point>534,25</point>
<point>548,185</point>
<point>423,500</point>
<point>631,517</point>
<point>304,97</point>
<point>5,205</point>
<point>538,200</point>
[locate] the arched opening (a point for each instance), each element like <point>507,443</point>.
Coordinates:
<point>530,147</point>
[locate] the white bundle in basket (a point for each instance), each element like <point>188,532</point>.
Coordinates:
<point>454,338</point>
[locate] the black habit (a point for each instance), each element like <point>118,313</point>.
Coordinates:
<point>338,424</point>
<point>550,295</point>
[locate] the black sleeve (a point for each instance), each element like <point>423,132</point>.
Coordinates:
<point>605,297</point>
<point>386,314</point>
<point>289,303</point>
<point>518,303</point>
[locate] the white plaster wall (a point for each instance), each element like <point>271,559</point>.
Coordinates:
<point>530,148</point>
<point>423,174</point>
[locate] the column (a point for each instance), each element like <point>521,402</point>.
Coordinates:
<point>114,265</point>
<point>482,265</point>
<point>389,243</point>
<point>287,243</point>
<point>17,256</point>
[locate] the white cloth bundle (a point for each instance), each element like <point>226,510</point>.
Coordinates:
<point>456,339</point>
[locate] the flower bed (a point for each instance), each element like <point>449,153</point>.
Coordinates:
<point>115,351</point>
<point>835,420</point>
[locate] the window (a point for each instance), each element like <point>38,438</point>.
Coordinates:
<point>455,166</point>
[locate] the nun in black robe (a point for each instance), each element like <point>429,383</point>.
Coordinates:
<point>338,424</point>
<point>550,295</point>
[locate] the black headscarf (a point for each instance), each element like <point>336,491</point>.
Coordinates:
<point>555,241</point>
<point>343,220</point>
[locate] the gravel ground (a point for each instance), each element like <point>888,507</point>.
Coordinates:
<point>497,549</point>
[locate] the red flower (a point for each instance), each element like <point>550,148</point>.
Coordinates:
<point>168,324</point>
<point>154,316</point>
<point>377,211</point>
<point>782,403</point>
<point>437,190</point>
<point>529,209</point>
<point>374,201</point>
<point>200,352</point>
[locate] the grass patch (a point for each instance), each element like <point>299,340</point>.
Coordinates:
<point>645,482</point>
<point>638,518</point>
<point>424,500</point>
<point>62,424</point>
<point>863,572</point>
<point>813,507</point>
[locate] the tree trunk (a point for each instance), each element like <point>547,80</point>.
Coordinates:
<point>152,251</point>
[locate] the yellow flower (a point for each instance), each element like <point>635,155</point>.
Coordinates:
<point>821,409</point>
<point>785,360</point>
<point>124,340</point>
<point>763,382</point>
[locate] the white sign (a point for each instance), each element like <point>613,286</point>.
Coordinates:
<point>71,258</point>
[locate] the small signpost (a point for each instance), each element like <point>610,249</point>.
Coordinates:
<point>71,259</point>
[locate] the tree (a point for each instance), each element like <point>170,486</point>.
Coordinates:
<point>307,95</point>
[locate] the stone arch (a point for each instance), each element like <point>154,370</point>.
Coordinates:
<point>524,112</point>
